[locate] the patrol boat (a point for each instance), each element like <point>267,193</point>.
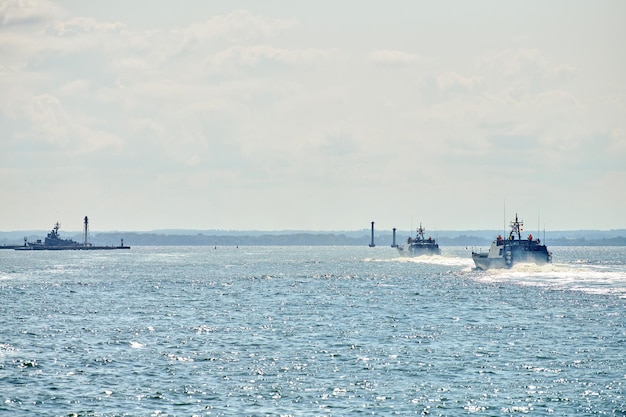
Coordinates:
<point>506,253</point>
<point>419,245</point>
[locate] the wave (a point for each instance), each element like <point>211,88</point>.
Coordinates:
<point>5,277</point>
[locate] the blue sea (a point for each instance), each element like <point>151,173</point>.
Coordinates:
<point>310,331</point>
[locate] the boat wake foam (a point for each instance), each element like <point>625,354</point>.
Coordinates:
<point>576,277</point>
<point>436,260</point>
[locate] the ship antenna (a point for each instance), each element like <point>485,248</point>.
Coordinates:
<point>504,218</point>
<point>538,222</point>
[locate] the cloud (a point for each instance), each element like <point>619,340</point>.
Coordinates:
<point>75,88</point>
<point>82,25</point>
<point>392,58</point>
<point>453,81</point>
<point>20,12</point>
<point>49,119</point>
<point>237,26</point>
<point>242,102</point>
<point>513,62</point>
<point>251,56</point>
<point>53,124</point>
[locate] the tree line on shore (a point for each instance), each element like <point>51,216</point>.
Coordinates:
<point>479,238</point>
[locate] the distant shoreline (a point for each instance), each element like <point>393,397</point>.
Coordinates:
<point>311,238</point>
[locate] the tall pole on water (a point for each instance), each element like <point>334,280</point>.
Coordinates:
<point>372,242</point>
<point>86,231</point>
<point>394,245</point>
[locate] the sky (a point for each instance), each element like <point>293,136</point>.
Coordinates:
<point>320,115</point>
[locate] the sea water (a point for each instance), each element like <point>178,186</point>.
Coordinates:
<point>310,331</point>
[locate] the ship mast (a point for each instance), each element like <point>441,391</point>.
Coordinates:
<point>420,233</point>
<point>516,228</point>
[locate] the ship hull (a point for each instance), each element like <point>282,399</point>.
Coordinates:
<point>484,262</point>
<point>418,250</point>
<point>507,254</point>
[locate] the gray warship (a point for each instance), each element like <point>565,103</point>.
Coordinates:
<point>504,253</point>
<point>419,245</point>
<point>53,241</point>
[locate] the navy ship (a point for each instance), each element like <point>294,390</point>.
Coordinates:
<point>419,245</point>
<point>53,241</point>
<point>504,253</point>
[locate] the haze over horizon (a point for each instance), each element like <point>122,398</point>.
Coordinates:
<point>321,116</point>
